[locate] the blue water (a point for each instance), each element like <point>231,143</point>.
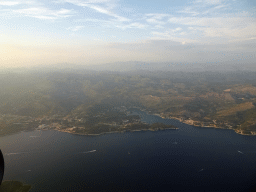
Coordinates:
<point>187,159</point>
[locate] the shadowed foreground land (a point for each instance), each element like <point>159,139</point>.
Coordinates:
<point>14,186</point>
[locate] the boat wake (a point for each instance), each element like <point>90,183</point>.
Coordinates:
<point>240,152</point>
<point>15,153</point>
<point>89,151</point>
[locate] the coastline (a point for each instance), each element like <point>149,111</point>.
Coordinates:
<point>191,122</point>
<point>163,116</point>
<point>240,132</point>
<point>103,133</point>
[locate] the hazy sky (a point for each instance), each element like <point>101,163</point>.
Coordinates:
<point>36,32</point>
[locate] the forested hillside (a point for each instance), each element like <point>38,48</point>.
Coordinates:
<point>224,100</point>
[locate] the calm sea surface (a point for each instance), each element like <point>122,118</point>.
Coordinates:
<point>188,159</point>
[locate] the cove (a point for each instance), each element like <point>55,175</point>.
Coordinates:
<point>187,159</point>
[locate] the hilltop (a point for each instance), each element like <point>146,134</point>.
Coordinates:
<point>92,102</point>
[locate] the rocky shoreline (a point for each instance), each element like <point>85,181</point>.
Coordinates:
<point>103,133</point>
<point>199,124</point>
<point>191,122</point>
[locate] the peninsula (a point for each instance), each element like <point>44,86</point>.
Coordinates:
<point>90,102</point>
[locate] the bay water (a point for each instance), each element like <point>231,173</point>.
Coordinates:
<point>187,159</point>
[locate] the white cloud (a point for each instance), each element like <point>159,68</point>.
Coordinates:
<point>83,2</point>
<point>156,20</point>
<point>226,28</point>
<point>44,13</point>
<point>189,10</point>
<point>20,2</point>
<point>204,7</point>
<point>34,8</point>
<point>107,12</point>
<point>209,2</point>
<point>178,29</point>
<point>217,22</point>
<point>220,6</point>
<point>114,20</point>
<point>232,34</point>
<point>101,6</point>
<point>158,27</point>
<point>132,25</point>
<point>115,24</point>
<point>76,28</point>
<point>9,3</point>
<point>157,15</point>
<point>173,35</point>
<point>201,19</point>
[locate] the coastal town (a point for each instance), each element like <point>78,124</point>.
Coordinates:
<point>116,120</point>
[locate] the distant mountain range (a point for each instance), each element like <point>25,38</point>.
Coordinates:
<point>147,66</point>
<point>161,66</point>
<point>171,66</point>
